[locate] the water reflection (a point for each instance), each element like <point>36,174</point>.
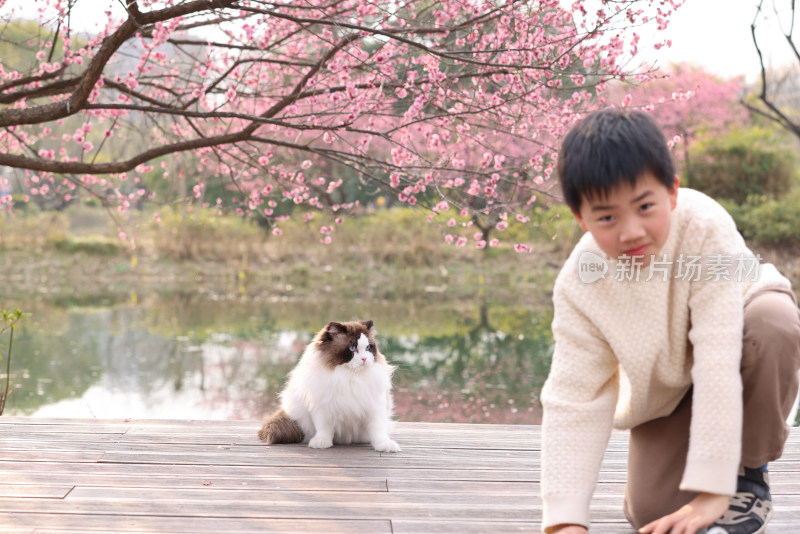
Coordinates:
<point>185,357</point>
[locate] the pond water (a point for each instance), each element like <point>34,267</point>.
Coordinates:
<point>189,356</point>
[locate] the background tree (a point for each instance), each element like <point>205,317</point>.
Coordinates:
<point>686,103</point>
<point>778,93</point>
<point>445,104</point>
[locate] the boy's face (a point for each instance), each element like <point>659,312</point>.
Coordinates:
<point>631,220</point>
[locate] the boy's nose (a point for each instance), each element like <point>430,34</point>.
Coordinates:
<point>631,232</point>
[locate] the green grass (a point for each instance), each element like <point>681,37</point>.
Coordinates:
<point>385,254</point>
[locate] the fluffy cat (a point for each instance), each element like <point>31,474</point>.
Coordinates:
<point>339,392</point>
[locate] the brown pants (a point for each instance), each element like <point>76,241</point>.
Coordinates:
<point>770,362</point>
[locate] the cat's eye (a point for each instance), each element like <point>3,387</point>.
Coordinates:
<point>371,347</point>
<point>352,348</point>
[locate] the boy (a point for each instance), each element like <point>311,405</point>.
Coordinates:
<point>665,324</point>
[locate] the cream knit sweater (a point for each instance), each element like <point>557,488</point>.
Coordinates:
<point>627,349</point>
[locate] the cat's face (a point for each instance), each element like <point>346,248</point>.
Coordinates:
<point>348,344</point>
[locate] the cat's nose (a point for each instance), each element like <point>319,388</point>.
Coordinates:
<point>364,359</point>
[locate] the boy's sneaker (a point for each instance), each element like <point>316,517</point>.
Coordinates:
<point>751,507</point>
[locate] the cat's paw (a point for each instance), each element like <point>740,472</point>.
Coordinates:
<point>386,445</point>
<point>320,442</point>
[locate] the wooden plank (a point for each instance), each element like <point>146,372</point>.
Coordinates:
<point>472,527</point>
<point>68,476</point>
<point>169,480</point>
<point>20,425</point>
<point>365,461</point>
<point>461,487</point>
<point>94,524</point>
<point>342,494</point>
<point>24,456</point>
<point>320,508</point>
<point>249,472</point>
<point>45,490</point>
<point>464,527</point>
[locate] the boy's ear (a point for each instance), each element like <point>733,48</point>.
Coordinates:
<point>673,195</point>
<point>580,220</point>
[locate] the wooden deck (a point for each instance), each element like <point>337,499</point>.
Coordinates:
<point>70,476</point>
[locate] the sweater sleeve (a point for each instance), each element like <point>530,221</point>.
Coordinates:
<point>579,398</point>
<point>716,315</point>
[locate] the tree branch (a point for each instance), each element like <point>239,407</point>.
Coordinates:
<point>86,82</point>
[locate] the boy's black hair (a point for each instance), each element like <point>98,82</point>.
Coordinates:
<point>609,147</point>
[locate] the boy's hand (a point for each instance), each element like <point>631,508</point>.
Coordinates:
<point>699,513</point>
<point>567,529</point>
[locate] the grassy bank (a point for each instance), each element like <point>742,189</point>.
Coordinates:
<point>388,255</point>
<point>385,255</point>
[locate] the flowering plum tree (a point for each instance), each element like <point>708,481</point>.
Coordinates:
<point>454,105</point>
<point>686,102</point>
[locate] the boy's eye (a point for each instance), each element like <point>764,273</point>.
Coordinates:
<point>606,218</point>
<point>646,206</point>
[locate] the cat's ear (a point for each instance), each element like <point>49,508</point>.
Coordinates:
<point>332,329</point>
<point>370,325</point>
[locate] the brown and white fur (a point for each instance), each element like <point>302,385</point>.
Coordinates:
<point>339,392</point>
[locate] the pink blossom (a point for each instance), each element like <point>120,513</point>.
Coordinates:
<point>415,119</point>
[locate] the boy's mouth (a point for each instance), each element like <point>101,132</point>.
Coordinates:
<point>638,251</point>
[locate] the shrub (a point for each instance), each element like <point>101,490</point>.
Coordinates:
<point>398,235</point>
<point>33,230</point>
<point>92,245</point>
<point>743,163</point>
<point>768,221</point>
<point>203,234</point>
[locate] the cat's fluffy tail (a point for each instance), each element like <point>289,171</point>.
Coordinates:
<point>280,428</point>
